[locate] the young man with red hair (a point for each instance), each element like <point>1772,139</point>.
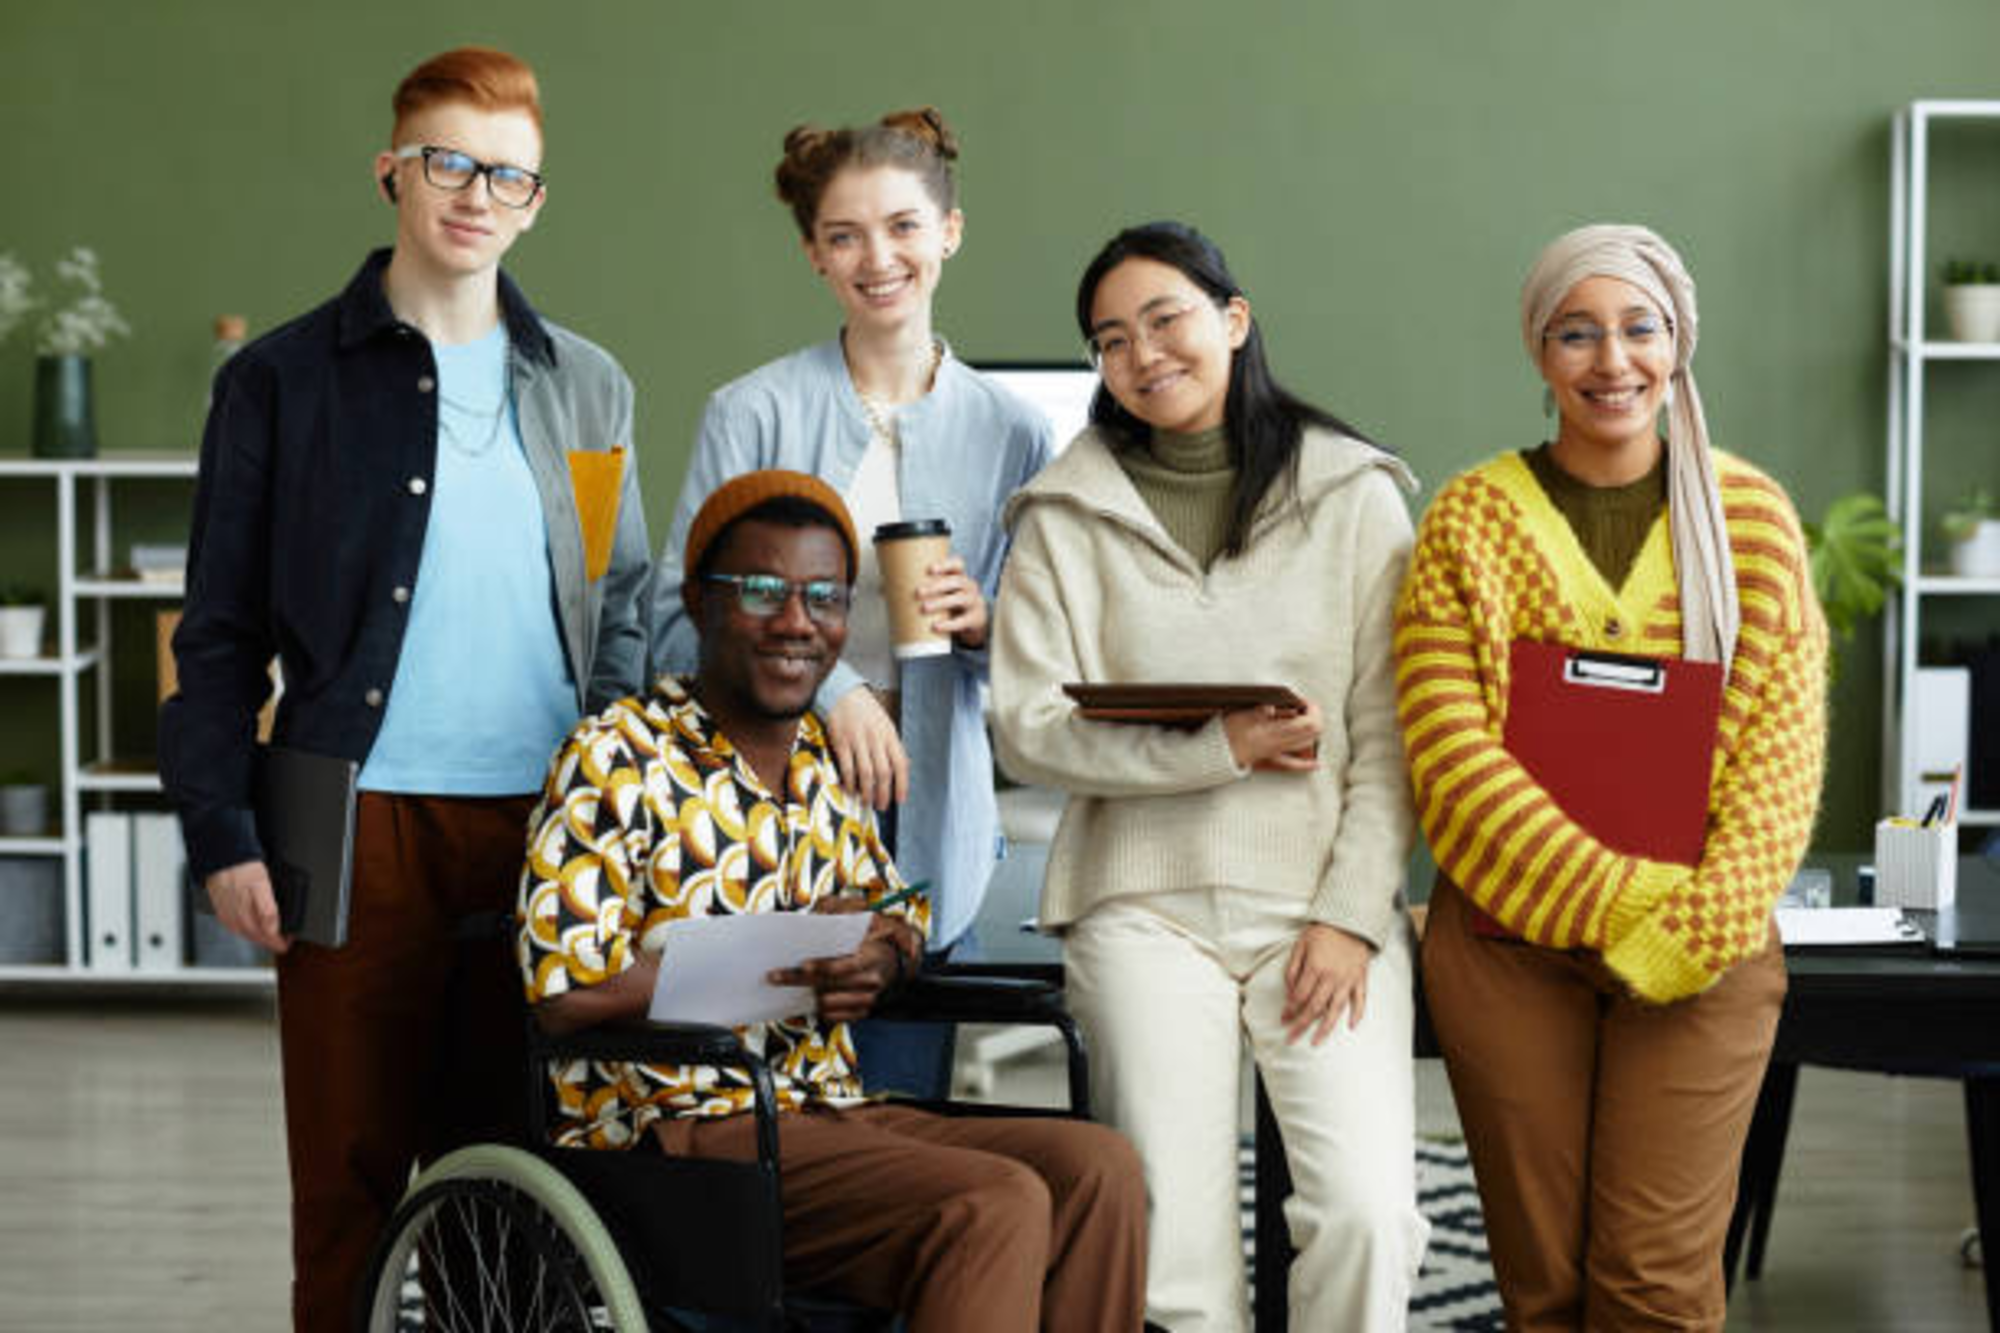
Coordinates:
<point>420,498</point>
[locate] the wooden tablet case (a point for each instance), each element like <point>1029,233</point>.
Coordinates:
<point>1173,703</point>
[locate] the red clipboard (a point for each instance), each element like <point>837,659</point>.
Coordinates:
<point>1624,745</point>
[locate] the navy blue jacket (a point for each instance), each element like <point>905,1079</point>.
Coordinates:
<point>308,536</point>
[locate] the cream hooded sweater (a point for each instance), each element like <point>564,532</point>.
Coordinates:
<point>1095,590</point>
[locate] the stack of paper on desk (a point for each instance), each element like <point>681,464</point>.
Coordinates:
<point>1828,926</point>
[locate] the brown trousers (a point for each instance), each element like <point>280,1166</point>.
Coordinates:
<point>407,1042</point>
<point>969,1224</point>
<point>1605,1132</point>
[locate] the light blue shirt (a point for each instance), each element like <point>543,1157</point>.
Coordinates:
<point>966,446</point>
<point>482,695</point>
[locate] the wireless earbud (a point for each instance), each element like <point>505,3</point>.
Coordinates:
<point>389,184</point>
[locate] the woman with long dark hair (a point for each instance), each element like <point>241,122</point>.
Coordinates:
<point>1242,879</point>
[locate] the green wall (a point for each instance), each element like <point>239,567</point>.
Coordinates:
<point>1380,173</point>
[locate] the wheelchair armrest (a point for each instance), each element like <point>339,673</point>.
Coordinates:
<point>946,998</point>
<point>655,1043</point>
<point>1002,993</point>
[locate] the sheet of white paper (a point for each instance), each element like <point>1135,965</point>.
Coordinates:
<point>712,968</point>
<point>1846,925</point>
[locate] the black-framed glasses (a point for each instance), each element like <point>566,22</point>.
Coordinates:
<point>765,595</point>
<point>449,169</point>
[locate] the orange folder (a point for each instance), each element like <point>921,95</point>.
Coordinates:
<point>1624,745</point>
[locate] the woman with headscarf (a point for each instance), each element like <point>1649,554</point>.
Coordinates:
<point>1606,1017</point>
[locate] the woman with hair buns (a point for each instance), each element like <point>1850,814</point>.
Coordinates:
<point>903,430</point>
<point>1605,1017</point>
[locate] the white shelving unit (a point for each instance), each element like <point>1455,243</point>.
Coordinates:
<point>87,584</point>
<point>1913,350</point>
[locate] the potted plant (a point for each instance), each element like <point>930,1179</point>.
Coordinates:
<point>1972,526</point>
<point>24,805</point>
<point>65,421</point>
<point>1972,300</point>
<point>1856,552</point>
<point>23,611</point>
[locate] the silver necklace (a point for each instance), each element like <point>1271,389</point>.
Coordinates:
<point>492,416</point>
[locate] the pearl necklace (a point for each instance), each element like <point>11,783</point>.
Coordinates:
<point>881,417</point>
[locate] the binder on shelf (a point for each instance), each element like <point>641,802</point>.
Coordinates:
<point>1624,745</point>
<point>108,891</point>
<point>1940,716</point>
<point>159,865</point>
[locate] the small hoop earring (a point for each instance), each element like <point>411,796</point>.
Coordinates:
<point>1548,402</point>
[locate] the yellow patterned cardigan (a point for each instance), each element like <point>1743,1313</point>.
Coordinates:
<point>1495,561</point>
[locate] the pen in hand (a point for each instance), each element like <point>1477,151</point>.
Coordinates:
<point>899,897</point>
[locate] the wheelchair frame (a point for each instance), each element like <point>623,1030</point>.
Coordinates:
<point>561,1238</point>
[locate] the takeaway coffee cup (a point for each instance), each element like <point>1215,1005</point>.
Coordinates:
<point>905,551</point>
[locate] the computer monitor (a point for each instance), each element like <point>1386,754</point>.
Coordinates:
<point>1061,389</point>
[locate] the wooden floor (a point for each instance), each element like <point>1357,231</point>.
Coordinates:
<point>142,1180</point>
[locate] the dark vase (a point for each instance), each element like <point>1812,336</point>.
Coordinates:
<point>65,426</point>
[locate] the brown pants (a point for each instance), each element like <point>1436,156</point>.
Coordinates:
<point>404,1044</point>
<point>1605,1132</point>
<point>974,1225</point>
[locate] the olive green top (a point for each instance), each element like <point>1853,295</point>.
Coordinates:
<point>1185,480</point>
<point>1610,522</point>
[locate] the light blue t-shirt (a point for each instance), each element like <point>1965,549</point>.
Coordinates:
<point>482,694</point>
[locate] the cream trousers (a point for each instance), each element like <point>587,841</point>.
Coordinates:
<point>1167,988</point>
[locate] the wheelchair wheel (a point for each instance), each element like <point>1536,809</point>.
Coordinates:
<point>493,1238</point>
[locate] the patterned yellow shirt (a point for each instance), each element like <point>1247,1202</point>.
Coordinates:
<point>1494,562</point>
<point>650,815</point>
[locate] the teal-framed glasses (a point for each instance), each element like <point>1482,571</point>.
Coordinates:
<point>449,169</point>
<point>765,595</point>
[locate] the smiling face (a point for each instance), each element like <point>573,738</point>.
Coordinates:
<point>1165,346</point>
<point>880,241</point>
<point>460,233</point>
<point>1608,354</point>
<point>762,672</point>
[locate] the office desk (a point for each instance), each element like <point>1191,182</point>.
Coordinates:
<point>1900,1014</point>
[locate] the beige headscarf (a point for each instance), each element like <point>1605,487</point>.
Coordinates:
<point>1707,574</point>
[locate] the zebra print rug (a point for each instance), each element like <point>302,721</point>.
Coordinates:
<point>1454,1290</point>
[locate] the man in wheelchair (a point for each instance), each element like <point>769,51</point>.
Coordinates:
<point>717,794</point>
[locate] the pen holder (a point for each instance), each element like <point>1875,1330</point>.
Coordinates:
<point>1916,866</point>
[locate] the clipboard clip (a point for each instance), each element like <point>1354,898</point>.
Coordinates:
<point>1614,671</point>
